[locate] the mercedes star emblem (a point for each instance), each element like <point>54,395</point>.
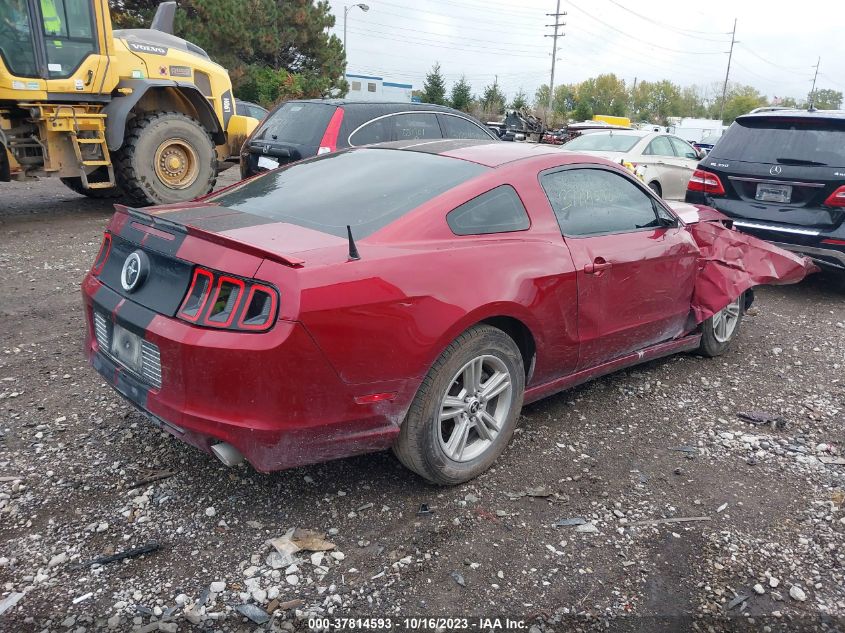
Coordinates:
<point>775,170</point>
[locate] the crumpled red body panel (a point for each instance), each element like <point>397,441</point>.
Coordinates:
<point>732,262</point>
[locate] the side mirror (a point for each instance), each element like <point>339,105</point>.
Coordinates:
<point>700,154</point>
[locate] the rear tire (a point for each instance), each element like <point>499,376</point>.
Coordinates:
<point>656,188</point>
<point>166,157</point>
<point>719,331</point>
<point>458,424</point>
<point>100,174</point>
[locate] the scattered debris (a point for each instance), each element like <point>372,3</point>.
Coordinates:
<point>458,578</point>
<point>254,613</point>
<point>129,553</point>
<point>152,477</point>
<point>424,510</point>
<point>762,418</point>
<point>83,597</point>
<point>311,541</point>
<point>830,460</point>
<point>722,507</point>
<point>736,602</point>
<point>10,601</point>
<point>569,522</point>
<point>587,528</point>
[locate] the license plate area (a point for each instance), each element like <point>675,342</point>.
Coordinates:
<point>126,348</point>
<point>774,193</point>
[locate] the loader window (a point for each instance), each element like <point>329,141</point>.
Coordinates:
<point>16,47</point>
<point>69,34</point>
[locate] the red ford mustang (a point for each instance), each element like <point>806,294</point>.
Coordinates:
<point>411,295</point>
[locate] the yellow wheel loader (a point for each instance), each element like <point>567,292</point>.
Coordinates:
<point>137,113</point>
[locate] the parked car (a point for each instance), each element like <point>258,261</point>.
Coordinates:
<point>300,129</point>
<point>411,295</point>
<point>665,162</point>
<point>781,175</point>
<point>247,108</point>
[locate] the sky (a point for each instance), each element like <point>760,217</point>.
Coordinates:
<point>778,44</point>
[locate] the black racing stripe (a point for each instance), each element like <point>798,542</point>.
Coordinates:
<point>217,219</point>
<point>106,300</point>
<point>230,222</point>
<point>189,215</point>
<point>132,389</point>
<point>135,318</point>
<point>127,385</point>
<point>150,240</point>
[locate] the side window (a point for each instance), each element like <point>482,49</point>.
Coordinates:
<point>498,211</point>
<point>16,46</point>
<point>415,125</point>
<point>660,147</point>
<point>682,148</point>
<point>69,34</point>
<point>356,86</point>
<point>457,127</point>
<point>371,87</point>
<point>258,113</point>
<point>373,132</point>
<point>594,201</point>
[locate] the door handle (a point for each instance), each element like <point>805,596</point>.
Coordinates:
<point>597,267</point>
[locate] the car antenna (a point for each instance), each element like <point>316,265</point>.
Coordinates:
<point>353,250</point>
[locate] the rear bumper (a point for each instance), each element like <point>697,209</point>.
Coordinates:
<point>810,240</point>
<point>273,396</point>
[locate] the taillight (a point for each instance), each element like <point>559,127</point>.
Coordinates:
<point>329,140</point>
<point>706,182</point>
<point>837,198</point>
<point>221,301</point>
<point>103,255</point>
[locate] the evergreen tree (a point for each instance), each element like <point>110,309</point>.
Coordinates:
<point>493,100</point>
<point>520,100</point>
<point>434,87</point>
<point>461,96</point>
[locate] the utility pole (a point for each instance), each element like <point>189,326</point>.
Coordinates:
<point>813,89</point>
<point>556,15</point>
<point>727,74</point>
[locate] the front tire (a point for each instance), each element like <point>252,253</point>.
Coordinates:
<point>656,188</point>
<point>719,331</point>
<point>466,409</point>
<point>166,157</point>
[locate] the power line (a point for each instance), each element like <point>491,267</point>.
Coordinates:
<point>727,73</point>
<point>685,32</point>
<point>460,37</point>
<point>440,45</point>
<point>652,44</point>
<point>781,67</point>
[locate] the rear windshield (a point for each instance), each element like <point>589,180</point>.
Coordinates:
<point>785,141</point>
<point>297,123</point>
<point>364,188</point>
<point>602,142</point>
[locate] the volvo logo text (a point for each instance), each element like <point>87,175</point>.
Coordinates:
<point>135,271</point>
<point>775,170</point>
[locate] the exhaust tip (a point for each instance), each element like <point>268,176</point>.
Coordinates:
<point>228,454</point>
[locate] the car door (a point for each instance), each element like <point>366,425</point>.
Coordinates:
<point>688,158</point>
<point>635,261</point>
<point>665,168</point>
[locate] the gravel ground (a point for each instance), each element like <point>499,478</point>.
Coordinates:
<point>660,442</point>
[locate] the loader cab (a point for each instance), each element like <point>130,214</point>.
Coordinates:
<point>57,46</point>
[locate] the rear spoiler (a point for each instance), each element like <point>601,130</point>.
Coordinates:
<point>163,224</point>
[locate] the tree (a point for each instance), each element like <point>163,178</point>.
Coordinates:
<point>461,96</point>
<point>741,100</point>
<point>492,101</point>
<point>583,111</point>
<point>434,87</point>
<point>826,99</point>
<point>520,100</point>
<point>288,52</point>
<point>656,101</point>
<point>132,14</point>
<point>605,94</point>
<point>541,97</point>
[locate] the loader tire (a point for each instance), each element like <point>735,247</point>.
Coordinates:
<point>98,175</point>
<point>166,157</point>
